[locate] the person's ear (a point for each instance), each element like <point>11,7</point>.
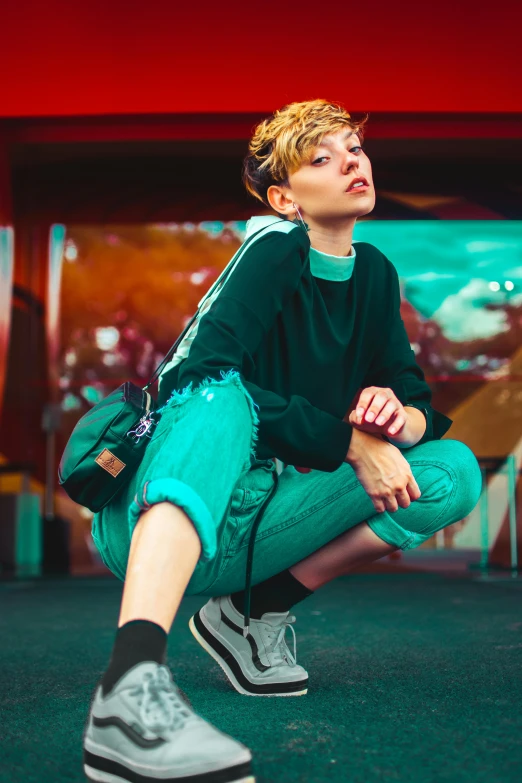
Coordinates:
<point>280,201</point>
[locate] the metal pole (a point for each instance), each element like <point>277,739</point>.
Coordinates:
<point>51,421</point>
<point>49,475</point>
<point>484,522</point>
<point>512,489</point>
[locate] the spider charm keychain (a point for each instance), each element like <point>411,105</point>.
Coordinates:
<point>145,424</point>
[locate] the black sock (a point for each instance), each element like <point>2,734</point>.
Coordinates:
<point>277,594</point>
<point>136,641</point>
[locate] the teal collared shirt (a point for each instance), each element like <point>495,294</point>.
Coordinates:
<point>329,267</point>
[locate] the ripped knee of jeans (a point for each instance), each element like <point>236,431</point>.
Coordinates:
<point>208,388</point>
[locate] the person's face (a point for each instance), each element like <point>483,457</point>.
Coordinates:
<point>320,187</point>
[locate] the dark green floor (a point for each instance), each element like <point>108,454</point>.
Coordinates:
<point>413,677</point>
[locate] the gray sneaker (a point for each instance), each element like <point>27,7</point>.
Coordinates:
<point>144,731</point>
<point>257,665</point>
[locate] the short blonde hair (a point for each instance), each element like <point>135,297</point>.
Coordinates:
<point>284,141</point>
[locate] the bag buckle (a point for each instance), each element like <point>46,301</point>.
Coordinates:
<point>144,426</point>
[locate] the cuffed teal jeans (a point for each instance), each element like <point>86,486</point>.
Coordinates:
<point>202,458</point>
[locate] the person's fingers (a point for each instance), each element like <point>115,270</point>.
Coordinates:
<point>391,504</point>
<point>377,404</point>
<point>378,505</point>
<point>413,489</point>
<point>387,413</point>
<point>397,424</point>
<point>371,402</point>
<point>403,498</point>
<point>363,402</point>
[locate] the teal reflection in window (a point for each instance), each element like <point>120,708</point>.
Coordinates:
<point>461,273</point>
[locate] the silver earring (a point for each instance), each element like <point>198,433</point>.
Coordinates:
<point>295,220</point>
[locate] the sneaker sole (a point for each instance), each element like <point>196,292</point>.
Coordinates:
<point>120,774</point>
<point>233,671</point>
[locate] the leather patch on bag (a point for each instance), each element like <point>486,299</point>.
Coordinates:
<point>110,463</point>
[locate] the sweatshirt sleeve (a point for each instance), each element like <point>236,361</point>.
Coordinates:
<point>394,366</point>
<point>229,334</point>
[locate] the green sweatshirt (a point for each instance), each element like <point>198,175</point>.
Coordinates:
<point>306,330</point>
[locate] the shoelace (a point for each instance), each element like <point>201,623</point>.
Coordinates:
<point>281,641</point>
<point>161,708</point>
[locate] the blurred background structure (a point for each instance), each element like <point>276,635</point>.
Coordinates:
<point>121,141</point>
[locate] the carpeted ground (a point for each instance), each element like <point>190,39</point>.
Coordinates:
<point>413,678</point>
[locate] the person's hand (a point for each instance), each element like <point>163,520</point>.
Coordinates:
<point>383,472</point>
<point>377,410</point>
